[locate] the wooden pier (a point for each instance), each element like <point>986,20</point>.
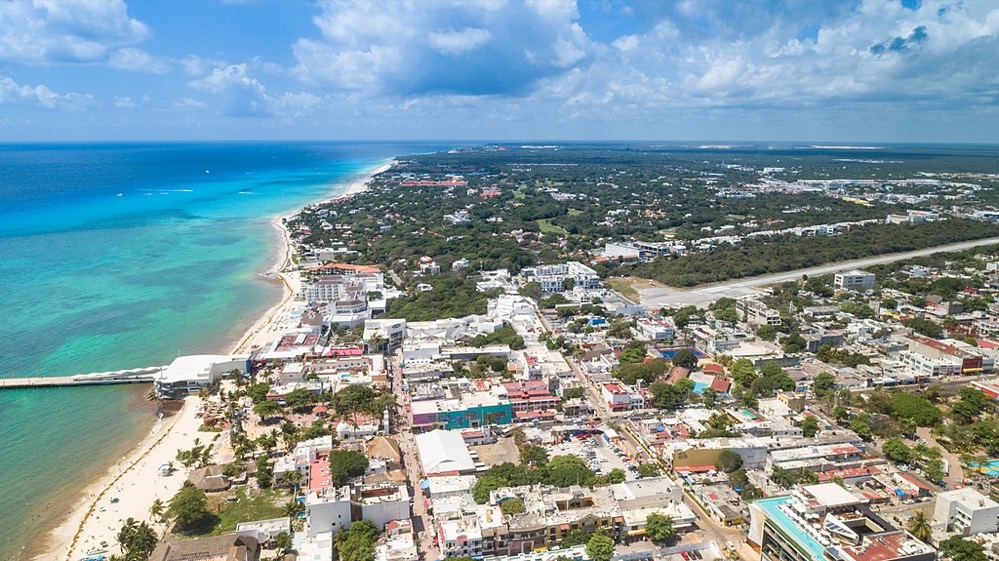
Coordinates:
<point>133,376</point>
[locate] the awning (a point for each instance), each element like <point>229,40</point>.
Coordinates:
<point>639,532</point>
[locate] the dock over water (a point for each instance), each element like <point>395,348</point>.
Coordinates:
<point>132,376</point>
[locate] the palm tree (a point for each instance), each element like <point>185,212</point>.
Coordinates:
<point>919,526</point>
<point>156,510</point>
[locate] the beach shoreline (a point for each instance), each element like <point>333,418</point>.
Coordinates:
<point>133,483</point>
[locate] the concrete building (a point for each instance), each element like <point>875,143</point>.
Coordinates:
<point>757,313</point>
<point>382,503</point>
<point>552,278</point>
<point>656,329</point>
<point>825,521</point>
<point>444,452</point>
<point>329,510</point>
<point>967,512</point>
<point>188,374</point>
<point>854,280</point>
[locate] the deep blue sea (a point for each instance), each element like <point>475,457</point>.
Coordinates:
<point>125,255</point>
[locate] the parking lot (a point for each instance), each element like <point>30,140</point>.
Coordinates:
<point>601,456</point>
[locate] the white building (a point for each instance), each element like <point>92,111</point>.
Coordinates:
<point>656,329</point>
<point>188,374</point>
<point>328,509</point>
<point>383,503</point>
<point>444,452</point>
<point>854,280</point>
<point>966,512</point>
<point>552,278</point>
<point>755,312</point>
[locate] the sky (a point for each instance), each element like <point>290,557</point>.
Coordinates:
<point>764,70</point>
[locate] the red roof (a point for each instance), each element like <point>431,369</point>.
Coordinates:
<point>714,368</point>
<point>912,479</point>
<point>721,384</point>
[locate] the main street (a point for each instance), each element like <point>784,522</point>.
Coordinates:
<point>656,295</point>
<point>423,528</point>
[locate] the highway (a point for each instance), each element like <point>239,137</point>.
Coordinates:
<point>656,295</point>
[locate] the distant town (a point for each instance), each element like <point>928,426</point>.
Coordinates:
<point>561,354</point>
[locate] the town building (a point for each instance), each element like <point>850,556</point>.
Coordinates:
<point>825,521</point>
<point>186,375</point>
<point>854,280</point>
<point>553,278</point>
<point>966,512</point>
<point>757,313</point>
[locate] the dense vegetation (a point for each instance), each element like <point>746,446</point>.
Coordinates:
<point>787,253</point>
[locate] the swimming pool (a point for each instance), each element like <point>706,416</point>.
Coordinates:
<point>670,353</point>
<point>788,527</point>
<point>989,468</point>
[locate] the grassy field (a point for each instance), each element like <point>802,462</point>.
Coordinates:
<point>575,212</point>
<point>549,228</point>
<point>268,504</point>
<point>624,286</point>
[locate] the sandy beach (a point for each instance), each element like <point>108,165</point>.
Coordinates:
<point>128,489</point>
<point>132,485</point>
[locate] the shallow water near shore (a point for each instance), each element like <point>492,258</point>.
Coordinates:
<point>127,255</point>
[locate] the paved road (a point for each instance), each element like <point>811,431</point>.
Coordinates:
<point>423,527</point>
<point>668,296</point>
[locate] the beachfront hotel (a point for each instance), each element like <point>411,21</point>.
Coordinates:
<point>186,375</point>
<point>827,522</point>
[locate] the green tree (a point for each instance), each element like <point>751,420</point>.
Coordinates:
<point>728,461</point>
<point>824,382</point>
<point>512,506</point>
<point>265,473</point>
<point>957,548</point>
<point>660,527</point>
<point>137,539</point>
<point>919,525</point>
<point>189,511</point>
<point>743,372</point>
<point>357,543</point>
<point>600,548</point>
<point>283,543</point>
<point>573,393</point>
<point>485,485</point>
<point>648,469</point>
<point>915,407</point>
<point>156,510</point>
<point>809,426</point>
<point>897,451</point>
<point>266,409</point>
<point>565,471</point>
<point>533,455</point>
<point>685,358</point>
<point>345,464</point>
<point>862,429</point>
<point>575,537</point>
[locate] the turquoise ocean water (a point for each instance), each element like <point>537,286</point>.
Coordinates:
<point>125,255</point>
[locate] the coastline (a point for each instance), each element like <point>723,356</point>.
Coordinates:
<point>133,482</point>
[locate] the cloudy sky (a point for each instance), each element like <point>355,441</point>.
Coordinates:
<point>834,70</point>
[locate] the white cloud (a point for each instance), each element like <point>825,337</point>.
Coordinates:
<point>457,42</point>
<point>411,48</point>
<point>136,59</point>
<point>12,93</point>
<point>39,31</point>
<point>232,76</point>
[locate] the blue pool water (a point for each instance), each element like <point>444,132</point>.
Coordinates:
<point>790,528</point>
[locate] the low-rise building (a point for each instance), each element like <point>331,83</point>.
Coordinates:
<point>967,512</point>
<point>186,375</point>
<point>854,280</point>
